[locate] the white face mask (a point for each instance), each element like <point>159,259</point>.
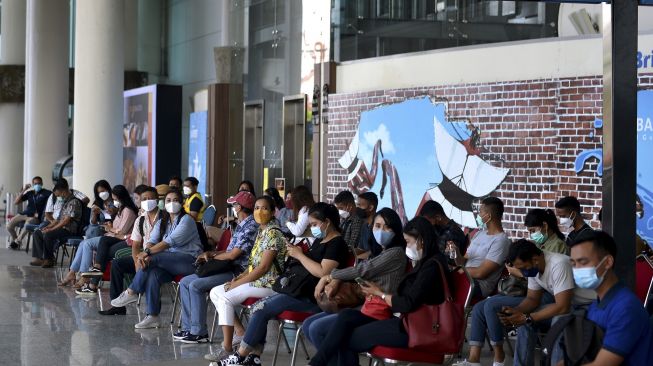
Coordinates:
<point>187,191</point>
<point>149,205</point>
<point>173,207</point>
<point>344,214</point>
<point>567,222</point>
<point>117,203</point>
<point>413,253</point>
<point>104,195</point>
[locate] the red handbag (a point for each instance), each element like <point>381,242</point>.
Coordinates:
<point>375,307</point>
<point>437,328</point>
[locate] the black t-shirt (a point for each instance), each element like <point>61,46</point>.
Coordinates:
<point>335,249</point>
<point>196,204</point>
<point>572,235</point>
<point>451,231</point>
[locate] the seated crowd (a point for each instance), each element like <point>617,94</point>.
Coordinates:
<point>294,254</point>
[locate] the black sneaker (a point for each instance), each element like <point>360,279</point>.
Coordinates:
<point>13,245</point>
<point>195,339</point>
<point>180,335</point>
<point>86,290</point>
<point>93,272</point>
<point>251,360</point>
<point>233,359</point>
<point>114,311</point>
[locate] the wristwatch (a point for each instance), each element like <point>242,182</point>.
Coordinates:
<point>147,251</point>
<point>529,320</point>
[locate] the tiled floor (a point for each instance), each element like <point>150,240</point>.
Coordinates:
<point>41,324</point>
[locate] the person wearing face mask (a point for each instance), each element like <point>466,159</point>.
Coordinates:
<point>329,251</point>
<point>114,234</point>
<point>571,220</point>
<point>36,198</point>
<point>385,269</point>
<point>446,229</point>
<point>351,223</point>
<point>627,329</point>
<point>193,289</point>
<point>488,249</point>
<point>174,245</point>
<point>546,272</point>
<point>136,197</point>
<point>368,202</point>
<point>175,182</point>
<point>140,235</point>
<point>193,205</point>
<point>265,264</point>
<point>354,332</point>
<point>53,206</point>
<point>67,224</point>
<point>245,186</point>
<point>114,239</point>
<point>543,230</point>
<point>102,209</point>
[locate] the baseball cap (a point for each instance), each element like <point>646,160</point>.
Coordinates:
<point>243,198</point>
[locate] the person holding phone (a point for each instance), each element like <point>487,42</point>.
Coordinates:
<point>385,269</point>
<point>354,332</point>
<point>328,252</point>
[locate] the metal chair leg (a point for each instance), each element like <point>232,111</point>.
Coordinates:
<point>174,304</point>
<point>215,320</point>
<point>298,339</point>
<point>276,350</point>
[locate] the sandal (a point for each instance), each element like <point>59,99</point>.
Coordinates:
<point>67,282</point>
<point>82,281</point>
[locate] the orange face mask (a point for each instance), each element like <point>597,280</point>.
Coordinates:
<point>262,217</point>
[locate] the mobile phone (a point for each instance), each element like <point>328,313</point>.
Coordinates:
<point>360,281</point>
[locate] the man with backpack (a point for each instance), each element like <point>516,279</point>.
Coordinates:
<point>627,329</point>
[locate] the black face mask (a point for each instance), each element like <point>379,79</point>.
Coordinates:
<point>361,213</point>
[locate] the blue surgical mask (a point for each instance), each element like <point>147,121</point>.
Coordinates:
<point>480,223</point>
<point>38,187</point>
<point>538,238</point>
<point>530,272</point>
<point>317,232</point>
<point>383,238</point>
<point>587,277</point>
<point>60,199</point>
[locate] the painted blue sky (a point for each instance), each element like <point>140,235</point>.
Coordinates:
<point>408,140</point>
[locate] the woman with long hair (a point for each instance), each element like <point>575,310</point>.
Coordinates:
<point>302,201</point>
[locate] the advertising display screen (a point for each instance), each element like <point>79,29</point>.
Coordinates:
<point>139,137</point>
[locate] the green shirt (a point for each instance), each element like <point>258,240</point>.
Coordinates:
<point>556,245</point>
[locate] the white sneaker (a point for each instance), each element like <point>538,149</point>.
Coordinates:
<point>495,363</point>
<point>124,299</point>
<point>466,363</point>
<point>150,321</point>
<point>218,355</point>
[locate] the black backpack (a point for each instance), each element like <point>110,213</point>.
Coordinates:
<point>581,339</point>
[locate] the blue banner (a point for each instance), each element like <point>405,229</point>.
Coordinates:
<point>644,214</point>
<point>197,145</point>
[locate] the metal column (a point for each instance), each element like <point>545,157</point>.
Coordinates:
<point>619,131</point>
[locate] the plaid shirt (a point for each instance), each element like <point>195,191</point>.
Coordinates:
<point>351,230</point>
<point>243,239</point>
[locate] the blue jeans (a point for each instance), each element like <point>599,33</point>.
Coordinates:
<point>274,305</point>
<point>527,338</point>
<point>484,316</point>
<point>161,269</point>
<point>317,327</point>
<point>94,230</point>
<point>192,292</point>
<point>84,256</point>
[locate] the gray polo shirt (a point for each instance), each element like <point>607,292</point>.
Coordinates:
<point>493,248</point>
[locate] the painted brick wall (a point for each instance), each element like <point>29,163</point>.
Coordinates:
<point>538,127</point>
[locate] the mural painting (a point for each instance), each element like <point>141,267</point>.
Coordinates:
<point>422,155</point>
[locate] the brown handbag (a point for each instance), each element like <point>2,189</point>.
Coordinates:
<point>349,295</point>
<point>436,328</point>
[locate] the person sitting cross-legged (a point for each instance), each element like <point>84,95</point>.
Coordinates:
<point>193,289</point>
<point>175,245</point>
<point>140,238</point>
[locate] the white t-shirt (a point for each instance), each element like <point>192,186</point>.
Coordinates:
<point>493,248</point>
<point>558,277</point>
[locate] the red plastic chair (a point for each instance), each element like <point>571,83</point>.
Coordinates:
<point>175,286</point>
<point>295,318</point>
<point>223,243</point>
<point>643,278</point>
<point>462,288</point>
